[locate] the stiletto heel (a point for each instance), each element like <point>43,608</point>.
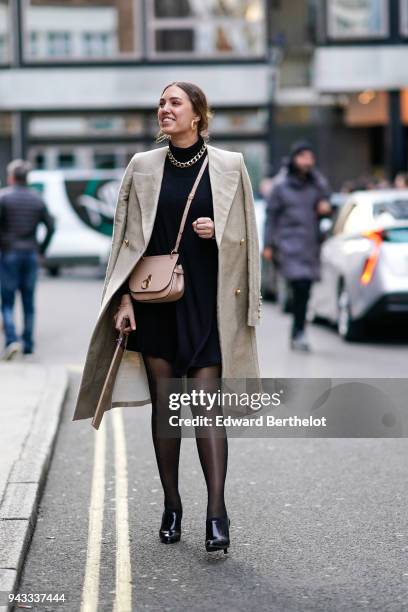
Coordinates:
<point>170,530</point>
<point>217,534</point>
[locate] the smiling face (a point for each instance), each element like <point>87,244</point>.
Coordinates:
<point>175,113</point>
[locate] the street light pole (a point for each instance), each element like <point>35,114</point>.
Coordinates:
<point>395,137</point>
<point>273,55</point>
<point>19,118</point>
<point>396,148</point>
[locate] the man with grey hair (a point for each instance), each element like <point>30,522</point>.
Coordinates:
<point>22,210</point>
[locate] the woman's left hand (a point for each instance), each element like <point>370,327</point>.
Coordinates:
<point>204,227</point>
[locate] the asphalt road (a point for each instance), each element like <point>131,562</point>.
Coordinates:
<point>316,524</point>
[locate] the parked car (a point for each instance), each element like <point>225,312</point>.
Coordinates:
<point>364,263</point>
<point>83,205</point>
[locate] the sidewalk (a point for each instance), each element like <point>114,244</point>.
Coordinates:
<point>31,399</point>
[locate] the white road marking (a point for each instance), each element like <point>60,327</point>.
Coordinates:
<point>123,596</point>
<point>90,589</point>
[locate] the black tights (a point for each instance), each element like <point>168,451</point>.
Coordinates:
<point>211,442</point>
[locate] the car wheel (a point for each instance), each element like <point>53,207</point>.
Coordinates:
<point>347,328</point>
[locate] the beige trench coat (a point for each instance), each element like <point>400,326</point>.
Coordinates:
<point>238,292</point>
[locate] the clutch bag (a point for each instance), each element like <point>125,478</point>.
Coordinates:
<point>104,401</point>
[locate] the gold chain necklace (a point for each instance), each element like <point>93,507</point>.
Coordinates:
<point>188,163</point>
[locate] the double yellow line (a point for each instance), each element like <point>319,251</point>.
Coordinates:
<point>123,591</point>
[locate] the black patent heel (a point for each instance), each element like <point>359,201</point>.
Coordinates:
<point>217,534</point>
<point>170,529</point>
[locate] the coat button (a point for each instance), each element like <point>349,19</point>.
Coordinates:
<point>126,241</point>
<point>241,242</point>
<point>237,291</point>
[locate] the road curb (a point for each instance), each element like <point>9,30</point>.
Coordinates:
<point>18,509</point>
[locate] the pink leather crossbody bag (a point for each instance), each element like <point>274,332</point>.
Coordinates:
<point>159,278</point>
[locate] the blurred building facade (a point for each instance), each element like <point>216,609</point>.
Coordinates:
<point>80,79</point>
<point>360,58</point>
<point>342,83</point>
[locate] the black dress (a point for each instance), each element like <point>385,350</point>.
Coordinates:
<point>184,332</point>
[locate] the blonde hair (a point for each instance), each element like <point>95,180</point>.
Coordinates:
<point>200,106</point>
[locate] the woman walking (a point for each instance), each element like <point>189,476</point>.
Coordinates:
<point>208,333</point>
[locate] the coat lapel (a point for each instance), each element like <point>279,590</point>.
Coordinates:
<point>223,186</point>
<point>147,186</point>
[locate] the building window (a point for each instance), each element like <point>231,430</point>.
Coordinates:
<point>34,44</point>
<point>83,157</point>
<point>357,19</point>
<point>58,44</point>
<point>91,30</point>
<point>142,124</point>
<point>87,125</point>
<point>98,44</point>
<point>255,155</point>
<point>4,30</point>
<point>404,17</point>
<point>239,122</point>
<point>66,160</point>
<point>39,161</point>
<point>104,160</point>
<point>3,49</point>
<point>206,28</point>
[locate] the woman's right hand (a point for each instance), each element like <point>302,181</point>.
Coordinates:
<point>125,311</point>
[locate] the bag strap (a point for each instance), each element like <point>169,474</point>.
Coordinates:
<point>189,200</point>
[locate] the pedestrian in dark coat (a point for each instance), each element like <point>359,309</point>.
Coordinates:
<point>298,199</point>
<point>21,212</point>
